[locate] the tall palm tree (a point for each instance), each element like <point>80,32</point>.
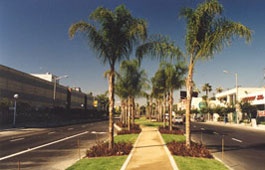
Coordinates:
<point>174,80</point>
<point>159,88</point>
<point>112,38</point>
<point>207,88</point>
<point>207,33</point>
<point>132,81</point>
<point>103,101</point>
<point>121,92</point>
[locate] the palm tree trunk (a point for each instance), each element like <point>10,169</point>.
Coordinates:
<point>170,108</point>
<point>189,86</point>
<point>133,110</point>
<point>160,110</point>
<point>111,107</point>
<point>129,113</point>
<point>123,112</point>
<point>164,109</point>
<point>151,107</point>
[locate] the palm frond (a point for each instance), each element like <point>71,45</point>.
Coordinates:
<point>159,47</point>
<point>223,33</point>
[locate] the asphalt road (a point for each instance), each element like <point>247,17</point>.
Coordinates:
<point>244,148</point>
<point>52,148</point>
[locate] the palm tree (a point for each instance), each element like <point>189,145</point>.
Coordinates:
<point>103,101</point>
<point>112,38</point>
<point>131,81</point>
<point>219,89</point>
<point>159,89</point>
<point>207,33</point>
<point>121,92</point>
<point>168,78</point>
<point>174,80</point>
<point>207,88</point>
<point>159,46</point>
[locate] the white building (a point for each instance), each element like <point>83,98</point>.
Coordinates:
<point>49,77</point>
<point>229,96</point>
<point>256,98</point>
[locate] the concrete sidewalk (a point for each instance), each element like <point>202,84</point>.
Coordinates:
<point>149,152</point>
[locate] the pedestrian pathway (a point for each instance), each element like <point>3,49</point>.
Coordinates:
<point>149,153</point>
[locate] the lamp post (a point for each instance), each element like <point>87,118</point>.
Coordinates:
<point>54,86</point>
<point>236,97</point>
<point>15,109</point>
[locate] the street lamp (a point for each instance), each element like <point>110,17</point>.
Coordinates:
<point>54,86</point>
<point>15,109</point>
<point>236,97</point>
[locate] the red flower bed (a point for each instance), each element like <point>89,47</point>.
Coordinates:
<point>195,150</point>
<point>165,130</point>
<point>102,149</point>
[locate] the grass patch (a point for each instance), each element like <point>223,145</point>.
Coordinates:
<point>101,163</point>
<point>145,122</point>
<point>171,137</point>
<point>191,163</point>
<point>126,138</point>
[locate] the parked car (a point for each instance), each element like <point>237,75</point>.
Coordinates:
<point>199,118</point>
<point>177,120</point>
<point>166,116</point>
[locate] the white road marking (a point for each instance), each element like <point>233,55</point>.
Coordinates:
<point>202,129</point>
<point>216,133</point>
<point>41,146</point>
<point>240,141</point>
<point>51,133</point>
<point>70,128</point>
<point>18,139</point>
<point>94,132</point>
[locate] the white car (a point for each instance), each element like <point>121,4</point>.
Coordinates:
<point>177,120</point>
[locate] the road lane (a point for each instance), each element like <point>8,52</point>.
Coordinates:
<point>57,154</point>
<point>244,148</point>
<point>36,138</point>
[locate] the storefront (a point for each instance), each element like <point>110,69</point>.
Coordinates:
<point>241,93</point>
<point>257,99</point>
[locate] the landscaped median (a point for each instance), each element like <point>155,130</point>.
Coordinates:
<point>198,157</point>
<point>188,162</point>
<point>100,157</point>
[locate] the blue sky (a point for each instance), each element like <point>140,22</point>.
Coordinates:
<point>34,39</point>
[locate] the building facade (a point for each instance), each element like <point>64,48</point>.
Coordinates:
<point>39,92</point>
<point>241,94</point>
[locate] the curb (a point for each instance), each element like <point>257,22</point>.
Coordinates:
<point>125,164</point>
<point>228,167</point>
<point>222,162</point>
<point>171,159</point>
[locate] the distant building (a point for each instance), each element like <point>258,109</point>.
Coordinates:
<point>196,103</point>
<point>78,89</point>
<point>38,90</point>
<point>47,76</point>
<point>229,97</point>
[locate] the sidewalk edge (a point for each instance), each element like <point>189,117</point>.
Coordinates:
<point>171,159</point>
<point>222,162</point>
<point>125,164</point>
